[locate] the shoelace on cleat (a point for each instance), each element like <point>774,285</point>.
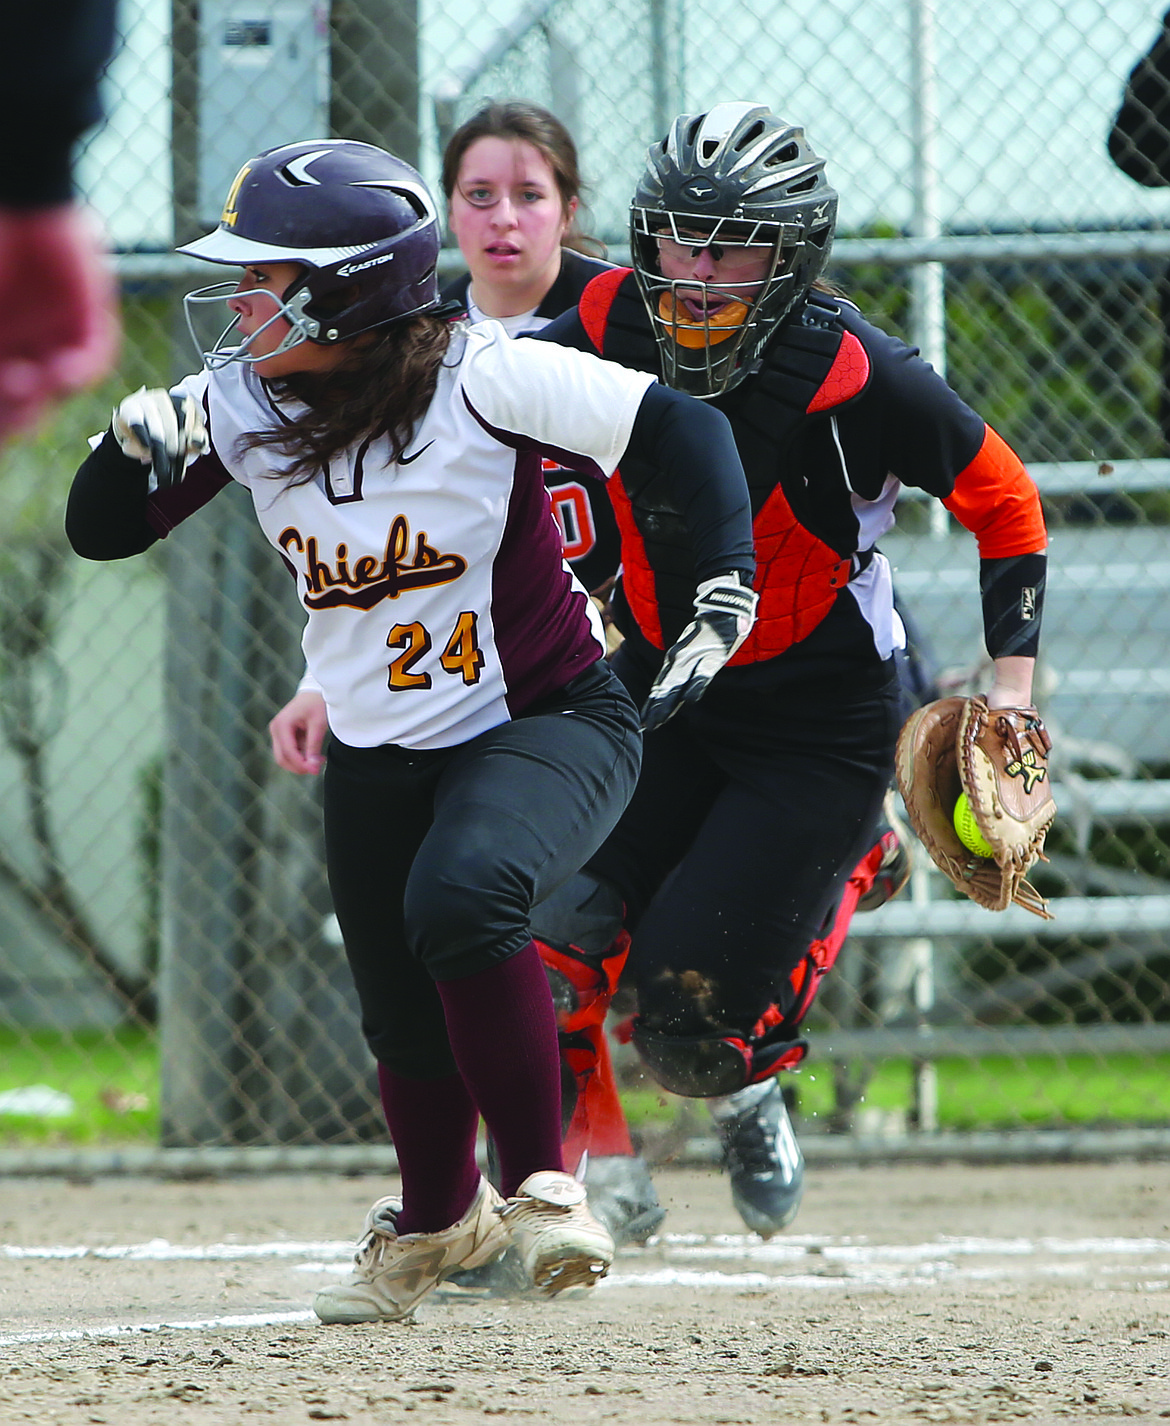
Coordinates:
<point>537,1208</point>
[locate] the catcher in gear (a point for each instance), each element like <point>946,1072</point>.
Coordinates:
<point>756,806</point>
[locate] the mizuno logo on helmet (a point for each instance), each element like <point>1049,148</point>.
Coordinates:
<point>350,268</point>
<point>701,190</point>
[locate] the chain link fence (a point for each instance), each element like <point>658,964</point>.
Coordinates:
<point>170,974</point>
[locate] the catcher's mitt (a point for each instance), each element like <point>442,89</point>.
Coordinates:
<point>999,758</point>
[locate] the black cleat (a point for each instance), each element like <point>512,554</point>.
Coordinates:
<point>762,1156</point>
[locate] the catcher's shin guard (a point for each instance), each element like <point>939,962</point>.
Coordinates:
<point>878,877</point>
<point>708,1066</point>
<point>583,986</point>
<point>887,866</point>
<point>583,983</point>
<point>704,1066</point>
<point>597,1125</point>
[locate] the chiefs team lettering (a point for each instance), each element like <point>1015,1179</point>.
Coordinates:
<point>366,581</point>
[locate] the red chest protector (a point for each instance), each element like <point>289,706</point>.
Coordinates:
<point>814,365</point>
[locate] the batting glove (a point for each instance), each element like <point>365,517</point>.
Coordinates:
<point>163,430</point>
<point>725,610</point>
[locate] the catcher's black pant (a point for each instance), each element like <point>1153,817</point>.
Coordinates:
<point>747,820</point>
<point>435,858</point>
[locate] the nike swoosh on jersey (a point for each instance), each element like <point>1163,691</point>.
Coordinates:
<point>404,459</point>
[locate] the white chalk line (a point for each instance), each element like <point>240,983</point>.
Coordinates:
<point>673,1260</point>
<point>119,1329</point>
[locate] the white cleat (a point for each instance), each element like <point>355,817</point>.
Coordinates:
<point>393,1273</point>
<point>559,1241</point>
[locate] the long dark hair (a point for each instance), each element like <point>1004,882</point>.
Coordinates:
<point>548,136</point>
<point>382,388</point>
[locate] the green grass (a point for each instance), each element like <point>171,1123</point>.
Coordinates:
<point>992,1093</point>
<point>109,1075</point>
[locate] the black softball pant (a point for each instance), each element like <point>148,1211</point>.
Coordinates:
<point>436,857</point>
<point>737,843</point>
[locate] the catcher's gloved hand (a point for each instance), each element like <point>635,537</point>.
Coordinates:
<point>725,609</point>
<point>999,758</point>
<point>161,429</point>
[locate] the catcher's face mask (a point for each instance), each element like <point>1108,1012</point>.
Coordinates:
<point>713,285</point>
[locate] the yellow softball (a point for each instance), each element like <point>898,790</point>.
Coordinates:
<point>967,828</point>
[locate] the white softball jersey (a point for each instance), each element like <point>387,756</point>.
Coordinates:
<point>439,602</point>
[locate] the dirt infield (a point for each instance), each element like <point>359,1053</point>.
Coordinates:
<point>905,1294</point>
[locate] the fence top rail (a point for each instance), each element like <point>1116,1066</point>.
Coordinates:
<point>1075,477</point>
<point>940,1042</point>
<point>1072,916</point>
<point>1134,244</point>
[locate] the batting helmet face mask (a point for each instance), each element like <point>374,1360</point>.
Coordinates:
<point>360,223</point>
<point>735,177</point>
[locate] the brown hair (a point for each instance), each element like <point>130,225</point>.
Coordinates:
<point>544,131</point>
<point>382,388</point>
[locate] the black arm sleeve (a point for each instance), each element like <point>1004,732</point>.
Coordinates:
<point>51,62</point>
<point>1139,142</point>
<point>1013,602</point>
<point>692,444</point>
<point>105,518</point>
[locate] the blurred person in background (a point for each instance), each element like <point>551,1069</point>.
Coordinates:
<point>58,309</point>
<point>1139,144</point>
<point>514,192</point>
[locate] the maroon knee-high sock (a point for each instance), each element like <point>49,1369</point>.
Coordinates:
<point>503,1033</point>
<point>433,1123</point>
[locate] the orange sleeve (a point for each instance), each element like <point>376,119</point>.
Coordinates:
<point>997,500</point>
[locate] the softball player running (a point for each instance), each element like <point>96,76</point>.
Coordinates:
<point>755,806</point>
<point>513,189</point>
<point>481,748</point>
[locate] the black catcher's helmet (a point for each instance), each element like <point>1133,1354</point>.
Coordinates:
<point>737,175</point>
<point>359,220</point>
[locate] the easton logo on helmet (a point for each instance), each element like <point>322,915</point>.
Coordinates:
<point>358,222</point>
<point>351,267</point>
